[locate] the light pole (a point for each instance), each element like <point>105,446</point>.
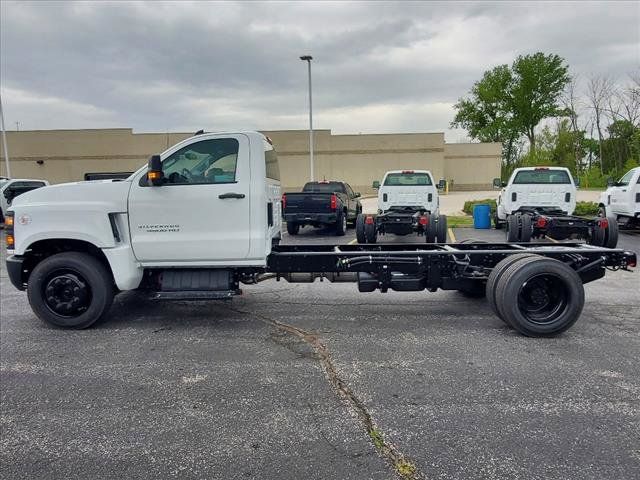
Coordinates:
<point>308,58</point>
<point>4,141</point>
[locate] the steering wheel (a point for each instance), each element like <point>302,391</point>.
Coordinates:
<point>186,174</point>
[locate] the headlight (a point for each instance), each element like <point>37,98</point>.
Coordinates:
<point>8,230</point>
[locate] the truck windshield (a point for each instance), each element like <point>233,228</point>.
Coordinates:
<point>407,179</point>
<point>541,176</point>
<point>323,187</point>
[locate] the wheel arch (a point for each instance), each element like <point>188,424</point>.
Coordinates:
<point>42,249</point>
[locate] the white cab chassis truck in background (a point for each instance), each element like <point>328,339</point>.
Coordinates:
<point>408,202</point>
<point>204,217</point>
<point>540,201</point>
<point>621,200</point>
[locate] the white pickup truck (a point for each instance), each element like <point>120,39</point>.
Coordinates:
<point>408,202</point>
<point>621,200</point>
<point>540,201</point>
<point>204,217</point>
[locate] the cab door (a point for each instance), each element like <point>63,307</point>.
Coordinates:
<point>200,213</point>
<point>620,196</point>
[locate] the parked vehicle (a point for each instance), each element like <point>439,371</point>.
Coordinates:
<point>10,188</point>
<point>204,217</point>
<point>540,201</point>
<point>407,202</point>
<point>321,204</point>
<point>621,200</point>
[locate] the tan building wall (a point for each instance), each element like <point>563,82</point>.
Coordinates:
<point>66,155</point>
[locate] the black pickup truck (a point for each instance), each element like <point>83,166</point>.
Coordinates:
<point>321,204</point>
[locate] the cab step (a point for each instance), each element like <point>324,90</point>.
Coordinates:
<point>195,295</point>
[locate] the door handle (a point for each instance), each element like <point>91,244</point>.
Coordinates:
<point>230,195</point>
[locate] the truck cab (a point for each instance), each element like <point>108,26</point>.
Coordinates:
<point>621,200</point>
<point>214,201</point>
<point>414,189</point>
<point>548,188</point>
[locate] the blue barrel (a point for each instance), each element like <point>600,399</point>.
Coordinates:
<point>482,216</point>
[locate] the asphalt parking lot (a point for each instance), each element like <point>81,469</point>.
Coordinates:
<point>319,381</point>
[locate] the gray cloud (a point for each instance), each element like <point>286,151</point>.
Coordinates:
<point>378,66</point>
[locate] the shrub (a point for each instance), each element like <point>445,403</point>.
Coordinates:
<point>586,208</point>
<point>468,206</point>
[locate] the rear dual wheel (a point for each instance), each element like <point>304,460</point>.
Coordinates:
<point>519,227</point>
<point>436,231</point>
<point>604,236</point>
<point>537,296</point>
<point>365,232</point>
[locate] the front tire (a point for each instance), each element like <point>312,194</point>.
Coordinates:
<point>70,290</point>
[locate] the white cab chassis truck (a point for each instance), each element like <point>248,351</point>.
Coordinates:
<point>621,200</point>
<point>408,202</point>
<point>540,201</point>
<point>204,217</point>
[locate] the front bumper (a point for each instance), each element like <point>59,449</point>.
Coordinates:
<point>14,270</point>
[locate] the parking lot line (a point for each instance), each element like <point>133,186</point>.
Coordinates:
<point>552,239</point>
<point>451,235</point>
<point>353,241</point>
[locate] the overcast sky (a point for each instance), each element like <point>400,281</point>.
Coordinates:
<point>378,67</point>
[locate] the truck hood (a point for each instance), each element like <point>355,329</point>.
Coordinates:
<point>106,195</point>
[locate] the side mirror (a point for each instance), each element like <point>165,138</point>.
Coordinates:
<point>376,184</point>
<point>577,182</point>
<point>610,182</point>
<point>155,176</point>
<point>441,184</point>
<point>357,195</point>
<point>497,183</point>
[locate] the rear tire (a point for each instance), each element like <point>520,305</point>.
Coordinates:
<point>441,229</point>
<point>293,228</point>
<point>540,297</point>
<point>70,290</point>
<point>513,228</point>
<point>360,235</point>
<point>526,228</point>
<point>611,233</point>
<point>496,222</point>
<point>495,276</point>
<point>431,232</point>
<point>341,224</point>
<point>370,232</point>
<point>597,235</point>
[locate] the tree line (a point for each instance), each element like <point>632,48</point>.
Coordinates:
<point>544,116</point>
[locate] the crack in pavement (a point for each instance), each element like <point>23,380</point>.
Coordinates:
<point>406,469</point>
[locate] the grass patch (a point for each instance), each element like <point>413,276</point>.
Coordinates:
<point>468,205</point>
<point>454,221</point>
<point>586,208</point>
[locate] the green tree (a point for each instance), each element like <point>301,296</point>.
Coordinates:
<point>485,113</point>
<point>509,102</point>
<point>538,83</point>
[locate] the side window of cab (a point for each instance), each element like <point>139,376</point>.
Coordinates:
<point>624,181</point>
<point>212,161</point>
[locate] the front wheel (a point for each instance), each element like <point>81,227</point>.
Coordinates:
<point>71,290</point>
<point>496,222</point>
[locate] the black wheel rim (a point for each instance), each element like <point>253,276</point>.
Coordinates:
<point>543,298</point>
<point>66,293</point>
